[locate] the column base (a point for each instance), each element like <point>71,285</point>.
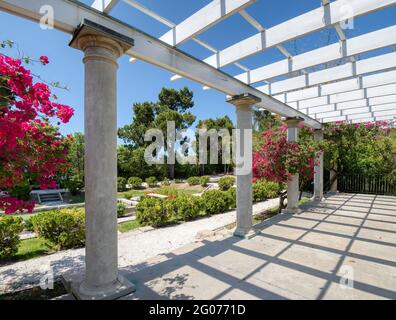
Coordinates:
<point>245,234</point>
<point>121,287</point>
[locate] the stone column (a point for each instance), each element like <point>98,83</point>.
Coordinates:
<point>243,163</point>
<point>318,175</point>
<point>101,51</point>
<point>293,182</point>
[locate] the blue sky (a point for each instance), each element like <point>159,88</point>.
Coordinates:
<point>140,81</point>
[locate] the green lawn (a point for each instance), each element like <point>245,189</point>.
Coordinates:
<point>31,248</point>
<point>128,226</point>
<point>131,193</point>
<point>189,191</point>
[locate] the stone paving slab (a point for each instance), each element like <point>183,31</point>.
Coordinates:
<point>330,254</point>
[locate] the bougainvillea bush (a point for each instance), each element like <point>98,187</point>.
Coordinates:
<point>278,159</point>
<point>365,148</point>
<point>32,151</point>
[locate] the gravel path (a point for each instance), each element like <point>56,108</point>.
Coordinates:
<point>133,247</point>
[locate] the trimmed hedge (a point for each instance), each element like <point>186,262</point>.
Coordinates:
<point>231,194</point>
<point>121,210</point>
<point>10,228</point>
<point>64,229</point>
<point>151,181</point>
<point>187,207</point>
<point>121,184</point>
<point>151,212</point>
<point>263,190</point>
<point>215,201</point>
<point>194,181</point>
<point>135,182</point>
<point>203,181</point>
<point>168,191</point>
<point>226,183</point>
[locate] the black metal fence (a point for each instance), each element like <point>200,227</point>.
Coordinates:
<point>374,184</point>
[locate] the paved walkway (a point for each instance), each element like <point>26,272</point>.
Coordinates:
<point>133,247</point>
<point>341,248</point>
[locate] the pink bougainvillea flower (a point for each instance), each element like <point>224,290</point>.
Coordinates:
<point>44,60</point>
<point>32,151</point>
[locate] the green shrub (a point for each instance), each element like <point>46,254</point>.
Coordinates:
<point>178,180</point>
<point>193,181</point>
<point>203,181</point>
<point>121,184</point>
<point>165,182</point>
<point>151,181</point>
<point>135,182</point>
<point>121,210</point>
<point>64,229</point>
<point>151,212</point>
<point>74,184</point>
<point>187,207</point>
<point>226,183</point>
<point>273,189</point>
<point>168,191</point>
<point>215,201</point>
<point>10,228</point>
<point>231,197</point>
<point>28,225</point>
<point>263,190</point>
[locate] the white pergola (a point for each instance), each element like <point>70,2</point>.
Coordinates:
<point>313,89</point>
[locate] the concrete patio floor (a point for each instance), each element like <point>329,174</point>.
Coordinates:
<point>302,256</point>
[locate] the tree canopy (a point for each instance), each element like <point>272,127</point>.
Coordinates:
<point>172,105</point>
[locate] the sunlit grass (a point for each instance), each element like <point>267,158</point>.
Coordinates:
<point>128,226</point>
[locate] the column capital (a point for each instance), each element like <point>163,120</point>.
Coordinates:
<point>243,100</point>
<point>92,35</point>
<point>293,122</point>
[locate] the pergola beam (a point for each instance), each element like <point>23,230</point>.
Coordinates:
<point>172,25</point>
<point>347,70</point>
<point>356,83</point>
<point>260,28</point>
<point>356,112</point>
<point>364,118</point>
<point>378,95</point>
<point>351,107</point>
<point>149,49</point>
<point>348,48</point>
<point>150,13</point>
<point>306,23</point>
<point>104,5</point>
<point>203,19</point>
